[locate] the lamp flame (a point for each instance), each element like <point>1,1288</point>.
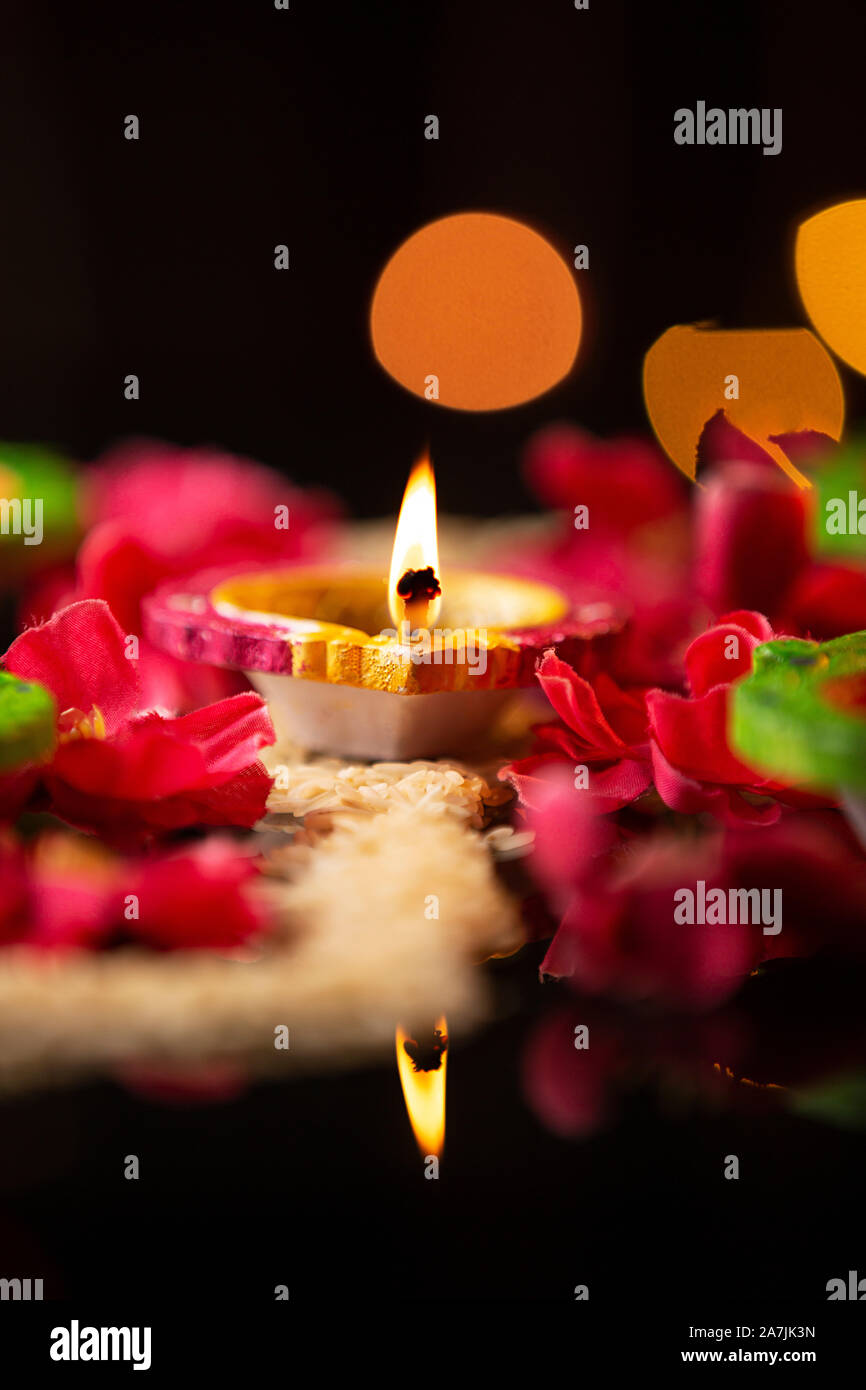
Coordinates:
<point>415,546</point>
<point>424,1094</point>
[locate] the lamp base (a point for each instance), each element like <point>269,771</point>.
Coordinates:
<point>376,725</point>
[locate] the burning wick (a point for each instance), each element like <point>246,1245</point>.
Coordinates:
<point>422,1068</point>
<point>414,590</point>
<point>426,1057</point>
<point>417,589</point>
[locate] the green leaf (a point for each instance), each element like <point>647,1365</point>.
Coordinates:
<point>31,471</point>
<point>841,1101</point>
<point>800,716</point>
<point>28,718</point>
<point>842,475</point>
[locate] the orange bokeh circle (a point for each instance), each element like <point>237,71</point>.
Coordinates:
<point>479,309</point>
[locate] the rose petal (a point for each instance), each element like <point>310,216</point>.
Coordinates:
<point>719,656</point>
<point>750,537</point>
<point>575,702</point>
<point>689,796</point>
<point>79,654</point>
<point>692,735</point>
<point>722,443</point>
<point>228,734</point>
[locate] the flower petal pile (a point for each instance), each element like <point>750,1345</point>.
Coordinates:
<point>65,892</point>
<point>117,769</point>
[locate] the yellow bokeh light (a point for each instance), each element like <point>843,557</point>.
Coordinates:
<point>768,382</point>
<point>830,262</point>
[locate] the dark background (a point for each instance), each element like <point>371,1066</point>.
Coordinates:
<point>306,127</point>
<point>156,257</point>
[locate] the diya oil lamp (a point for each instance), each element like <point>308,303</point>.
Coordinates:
<point>351,662</point>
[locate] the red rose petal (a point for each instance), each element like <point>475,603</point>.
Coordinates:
<point>79,655</point>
